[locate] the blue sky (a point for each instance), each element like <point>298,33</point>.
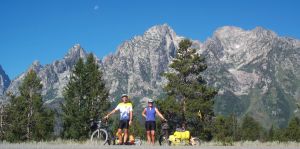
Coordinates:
<point>44,30</point>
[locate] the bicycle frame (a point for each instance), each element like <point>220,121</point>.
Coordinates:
<point>109,137</point>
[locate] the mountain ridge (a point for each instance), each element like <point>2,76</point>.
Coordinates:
<point>249,67</point>
<point>4,81</point>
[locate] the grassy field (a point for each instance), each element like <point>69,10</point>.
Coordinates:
<point>89,145</point>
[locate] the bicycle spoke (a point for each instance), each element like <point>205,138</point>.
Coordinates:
<point>99,137</point>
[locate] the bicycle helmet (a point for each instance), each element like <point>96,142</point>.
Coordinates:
<point>150,100</point>
<point>124,95</point>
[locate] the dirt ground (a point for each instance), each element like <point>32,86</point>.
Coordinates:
<point>54,145</point>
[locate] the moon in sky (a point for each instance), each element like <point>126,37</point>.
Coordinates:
<point>96,7</point>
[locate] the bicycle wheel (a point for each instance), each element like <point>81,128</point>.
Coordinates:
<point>137,141</point>
<point>195,141</point>
<point>163,141</point>
<point>99,136</point>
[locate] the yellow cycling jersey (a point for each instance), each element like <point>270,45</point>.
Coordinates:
<point>124,109</point>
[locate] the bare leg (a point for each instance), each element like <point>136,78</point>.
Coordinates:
<point>120,136</point>
<point>148,137</point>
<point>125,135</point>
<point>152,137</point>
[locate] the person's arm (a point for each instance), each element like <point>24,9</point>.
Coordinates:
<point>130,117</point>
<point>112,112</point>
<point>144,113</point>
<point>160,115</point>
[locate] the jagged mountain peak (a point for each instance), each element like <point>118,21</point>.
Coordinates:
<point>263,30</point>
<point>138,62</point>
<point>160,30</point>
<point>36,63</point>
<point>296,43</point>
<point>1,69</point>
<point>36,66</point>
<point>54,76</point>
<point>239,47</point>
<point>74,54</point>
<point>255,65</point>
<point>154,36</point>
<point>228,31</point>
<point>75,51</point>
<point>2,72</point>
<point>293,41</point>
<point>4,81</point>
<point>231,32</point>
<point>254,70</point>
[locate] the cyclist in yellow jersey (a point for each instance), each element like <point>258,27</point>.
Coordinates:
<point>125,109</point>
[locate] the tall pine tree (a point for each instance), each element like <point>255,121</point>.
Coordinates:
<point>251,130</point>
<point>226,129</point>
<point>293,130</point>
<point>27,118</point>
<point>97,94</point>
<point>188,89</point>
<point>85,98</point>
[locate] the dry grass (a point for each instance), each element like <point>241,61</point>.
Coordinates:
<point>62,144</point>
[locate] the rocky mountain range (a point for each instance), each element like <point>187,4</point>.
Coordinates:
<point>4,82</point>
<point>54,77</point>
<point>137,65</point>
<point>256,71</point>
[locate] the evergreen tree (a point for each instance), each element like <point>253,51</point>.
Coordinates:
<point>85,99</point>
<point>220,131</point>
<point>271,134</point>
<point>293,130</point>
<point>279,135</point>
<point>251,129</point>
<point>3,115</point>
<point>170,109</point>
<point>226,129</point>
<point>72,126</point>
<point>96,92</point>
<point>27,118</point>
<point>189,90</point>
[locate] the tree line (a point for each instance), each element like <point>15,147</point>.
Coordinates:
<point>26,118</point>
<point>188,100</point>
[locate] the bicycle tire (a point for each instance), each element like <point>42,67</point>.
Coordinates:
<point>99,136</point>
<point>138,141</point>
<point>163,141</point>
<point>196,141</point>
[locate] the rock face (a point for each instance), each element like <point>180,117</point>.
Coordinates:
<point>4,81</point>
<point>55,76</point>
<point>136,66</point>
<point>256,71</point>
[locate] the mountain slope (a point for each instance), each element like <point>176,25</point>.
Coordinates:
<point>256,71</point>
<point>54,76</point>
<point>136,66</point>
<point>4,81</point>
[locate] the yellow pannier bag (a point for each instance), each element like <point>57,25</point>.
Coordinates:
<point>172,138</point>
<point>185,135</point>
<point>178,134</point>
<point>117,134</point>
<point>182,135</point>
<point>131,139</point>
